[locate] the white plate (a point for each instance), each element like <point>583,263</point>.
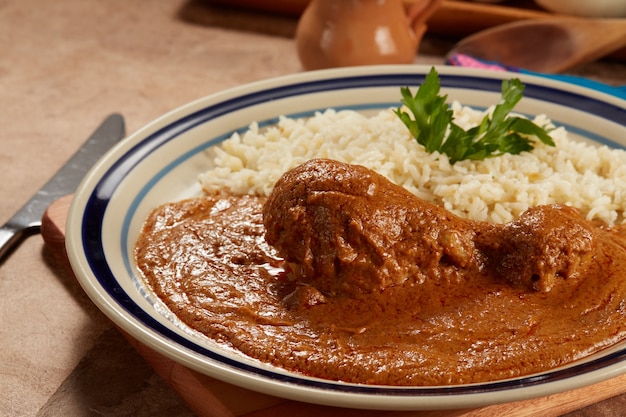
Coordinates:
<point>160,163</point>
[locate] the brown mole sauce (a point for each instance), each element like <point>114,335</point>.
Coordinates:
<point>208,261</point>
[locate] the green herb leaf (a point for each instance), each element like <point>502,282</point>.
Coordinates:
<point>430,121</point>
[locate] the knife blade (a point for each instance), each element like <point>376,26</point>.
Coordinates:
<point>27,220</point>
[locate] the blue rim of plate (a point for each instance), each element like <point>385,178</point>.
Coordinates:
<point>99,197</point>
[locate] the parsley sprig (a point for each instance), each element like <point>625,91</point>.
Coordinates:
<point>430,122</point>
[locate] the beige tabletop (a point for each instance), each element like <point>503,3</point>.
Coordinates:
<point>64,66</point>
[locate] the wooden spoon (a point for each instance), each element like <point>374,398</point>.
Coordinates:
<point>547,45</point>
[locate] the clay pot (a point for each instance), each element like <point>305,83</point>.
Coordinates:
<point>339,33</point>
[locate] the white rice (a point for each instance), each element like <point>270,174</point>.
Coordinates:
<point>591,178</point>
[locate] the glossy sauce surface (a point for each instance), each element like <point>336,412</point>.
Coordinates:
<point>208,260</point>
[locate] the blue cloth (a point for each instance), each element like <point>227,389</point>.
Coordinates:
<point>463,60</point>
<point>619,91</point>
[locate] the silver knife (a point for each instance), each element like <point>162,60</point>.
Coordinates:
<point>27,220</point>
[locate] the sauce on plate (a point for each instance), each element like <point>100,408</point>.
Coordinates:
<point>474,315</point>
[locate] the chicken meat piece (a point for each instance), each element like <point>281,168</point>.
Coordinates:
<point>545,245</point>
<point>347,230</point>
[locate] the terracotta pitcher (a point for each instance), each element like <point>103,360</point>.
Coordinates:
<point>338,33</point>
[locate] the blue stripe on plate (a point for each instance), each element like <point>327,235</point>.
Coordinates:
<point>97,204</point>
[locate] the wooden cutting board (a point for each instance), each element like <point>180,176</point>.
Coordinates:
<point>208,397</point>
<point>455,19</point>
